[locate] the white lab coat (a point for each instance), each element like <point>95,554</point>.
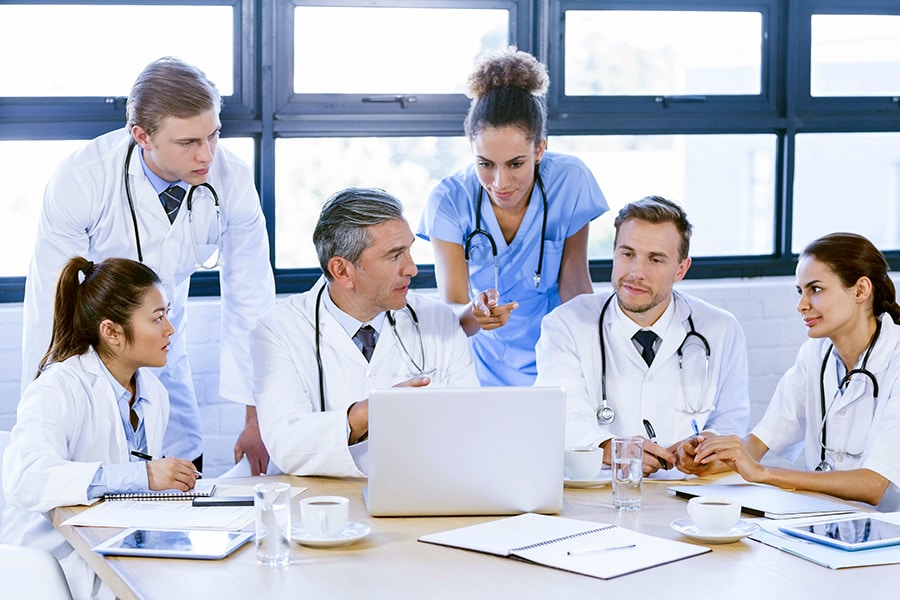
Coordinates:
<point>67,425</point>
<point>857,423</point>
<point>568,355</point>
<point>86,213</point>
<point>300,438</point>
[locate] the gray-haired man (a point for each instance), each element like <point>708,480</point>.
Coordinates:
<point>313,355</point>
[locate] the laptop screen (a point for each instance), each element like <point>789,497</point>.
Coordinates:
<point>466,451</point>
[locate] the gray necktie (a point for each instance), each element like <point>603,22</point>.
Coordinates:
<point>646,338</point>
<point>171,198</point>
<point>366,336</point>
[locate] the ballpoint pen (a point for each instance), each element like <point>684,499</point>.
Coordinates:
<point>652,435</point>
<point>600,549</point>
<point>143,456</point>
<point>696,429</point>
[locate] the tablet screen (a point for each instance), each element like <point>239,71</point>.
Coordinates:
<point>851,534</point>
<point>172,543</point>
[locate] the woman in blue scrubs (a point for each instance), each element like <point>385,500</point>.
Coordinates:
<point>510,231</point>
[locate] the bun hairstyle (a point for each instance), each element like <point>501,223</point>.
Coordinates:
<point>507,89</point>
<point>851,256</point>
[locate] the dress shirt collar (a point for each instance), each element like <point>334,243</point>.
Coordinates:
<point>659,327</point>
<point>349,323</point>
<point>159,184</point>
<point>137,440</point>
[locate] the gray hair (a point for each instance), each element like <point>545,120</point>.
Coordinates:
<point>341,230</point>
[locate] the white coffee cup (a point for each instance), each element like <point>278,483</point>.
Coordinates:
<point>714,515</point>
<point>583,463</point>
<point>324,517</point>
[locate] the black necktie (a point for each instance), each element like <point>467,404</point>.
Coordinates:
<point>171,198</point>
<point>646,338</point>
<point>366,336</point>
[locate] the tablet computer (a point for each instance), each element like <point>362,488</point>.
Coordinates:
<point>858,533</point>
<point>173,543</point>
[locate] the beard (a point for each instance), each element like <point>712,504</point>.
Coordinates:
<point>633,305</point>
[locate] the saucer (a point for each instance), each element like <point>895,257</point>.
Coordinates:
<point>353,532</point>
<point>605,478</point>
<point>687,528</point>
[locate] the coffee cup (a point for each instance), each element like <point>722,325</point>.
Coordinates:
<point>324,517</point>
<point>583,463</point>
<point>714,515</point>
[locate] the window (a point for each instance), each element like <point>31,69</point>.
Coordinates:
<point>772,121</point>
<point>855,55</point>
<point>103,54</point>
<point>630,52</point>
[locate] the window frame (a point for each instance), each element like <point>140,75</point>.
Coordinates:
<point>264,107</point>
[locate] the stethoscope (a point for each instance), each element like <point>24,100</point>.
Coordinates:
<point>824,464</point>
<point>419,369</point>
<point>480,231</point>
<point>190,208</point>
<point>605,414</point>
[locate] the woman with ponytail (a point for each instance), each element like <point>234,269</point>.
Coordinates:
<point>91,406</point>
<point>838,398</point>
<point>510,232</point>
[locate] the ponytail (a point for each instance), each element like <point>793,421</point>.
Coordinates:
<point>86,295</point>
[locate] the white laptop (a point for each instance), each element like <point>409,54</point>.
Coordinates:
<point>466,451</point>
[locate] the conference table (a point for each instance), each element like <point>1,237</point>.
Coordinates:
<point>391,563</point>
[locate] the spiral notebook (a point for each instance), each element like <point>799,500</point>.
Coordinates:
<point>201,490</point>
<point>595,549</point>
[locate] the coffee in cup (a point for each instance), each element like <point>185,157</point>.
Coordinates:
<point>714,515</point>
<point>324,517</point>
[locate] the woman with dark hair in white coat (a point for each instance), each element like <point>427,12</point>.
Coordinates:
<point>837,400</point>
<point>92,405</point>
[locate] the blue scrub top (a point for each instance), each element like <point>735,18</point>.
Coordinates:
<point>505,356</point>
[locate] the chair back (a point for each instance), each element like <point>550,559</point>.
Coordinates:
<point>31,573</point>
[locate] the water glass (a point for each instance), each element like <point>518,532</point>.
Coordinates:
<point>628,472</point>
<point>272,501</point>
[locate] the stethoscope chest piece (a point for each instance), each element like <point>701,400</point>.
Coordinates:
<point>605,415</point>
<point>824,466</point>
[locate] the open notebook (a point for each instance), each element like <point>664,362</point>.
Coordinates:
<point>203,489</point>
<point>596,549</point>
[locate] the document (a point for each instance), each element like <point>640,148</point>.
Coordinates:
<point>833,558</point>
<point>595,549</point>
<point>151,514</point>
<point>768,501</point>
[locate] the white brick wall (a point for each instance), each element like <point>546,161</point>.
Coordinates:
<point>764,306</point>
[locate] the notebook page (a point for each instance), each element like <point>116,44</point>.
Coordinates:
<point>609,553</point>
<point>501,536</point>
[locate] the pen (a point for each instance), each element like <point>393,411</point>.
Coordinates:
<point>652,435</point>
<point>143,456</point>
<point>696,429</point>
<point>600,549</point>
